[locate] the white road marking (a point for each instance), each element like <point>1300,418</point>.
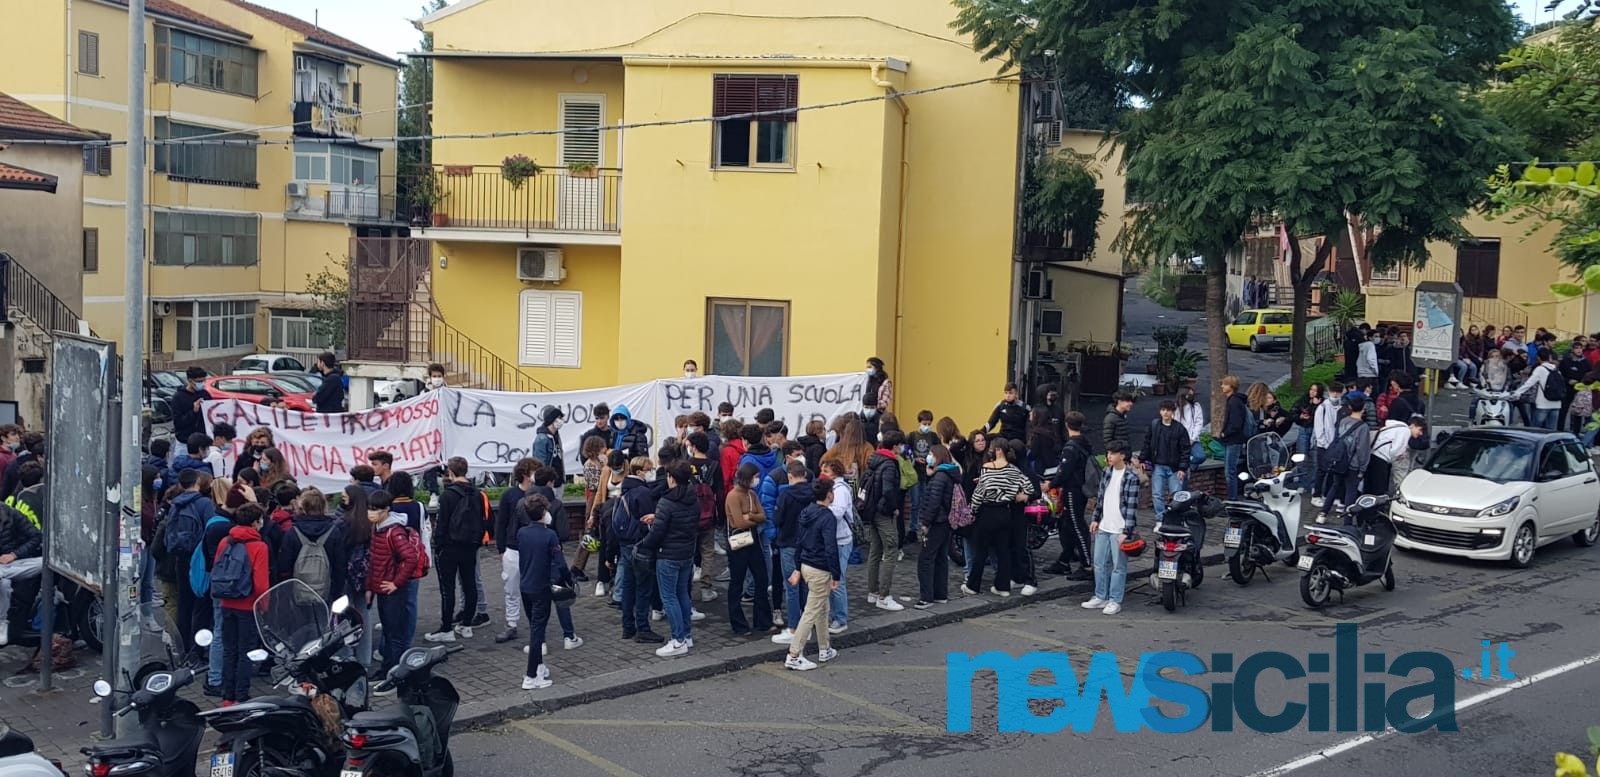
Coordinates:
<point>1461,706</point>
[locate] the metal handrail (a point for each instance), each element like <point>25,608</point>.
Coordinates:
<point>480,197</point>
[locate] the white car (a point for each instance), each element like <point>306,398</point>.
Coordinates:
<point>268,362</point>
<point>387,391</point>
<point>1499,494</point>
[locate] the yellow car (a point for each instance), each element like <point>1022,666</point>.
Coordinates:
<point>1261,329</point>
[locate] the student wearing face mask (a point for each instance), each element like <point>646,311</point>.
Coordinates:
<point>879,387</point>
<point>435,376</point>
<point>628,434</point>
<point>547,442</point>
<point>871,421</point>
<point>691,369</point>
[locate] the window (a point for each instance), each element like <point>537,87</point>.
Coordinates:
<point>88,53</point>
<point>1391,275</point>
<point>754,142</point>
<point>340,165</point>
<point>1478,268</point>
<point>1247,318</point>
<point>295,330</point>
<point>1269,319</point>
<point>581,117</point>
<point>91,249</point>
<point>1052,323</point>
<point>186,58</point>
<point>747,337</point>
<point>551,332</point>
<point>203,162</point>
<point>97,160</point>
<point>216,325</point>
<point>185,239</point>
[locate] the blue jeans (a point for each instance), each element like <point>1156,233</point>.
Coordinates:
<point>839,600</point>
<point>1197,455</point>
<point>673,578</point>
<point>1110,568</point>
<point>969,553</point>
<point>617,581</point>
<point>1230,469</point>
<point>1545,419</point>
<point>913,525</point>
<point>793,595</point>
<point>638,587</point>
<point>214,669</point>
<point>396,613</point>
<point>1163,484</point>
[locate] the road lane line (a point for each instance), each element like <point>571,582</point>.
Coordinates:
<point>892,714</point>
<point>1461,706</point>
<point>577,751</point>
<point>742,725</point>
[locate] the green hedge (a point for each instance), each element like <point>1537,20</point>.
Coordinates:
<point>1288,392</point>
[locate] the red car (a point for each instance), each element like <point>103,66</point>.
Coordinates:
<point>294,392</point>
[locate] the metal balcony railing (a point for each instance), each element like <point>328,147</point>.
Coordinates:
<point>480,197</point>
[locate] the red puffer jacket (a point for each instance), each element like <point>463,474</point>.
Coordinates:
<point>395,555</point>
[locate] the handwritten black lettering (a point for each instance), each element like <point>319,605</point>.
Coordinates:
<point>476,410</point>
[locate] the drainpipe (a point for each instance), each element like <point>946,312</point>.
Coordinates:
<point>900,232</point>
<point>66,83</point>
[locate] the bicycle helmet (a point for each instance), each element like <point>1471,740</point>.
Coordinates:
<point>590,543</point>
<point>1133,545</point>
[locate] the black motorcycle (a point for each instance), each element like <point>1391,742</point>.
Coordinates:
<point>299,732</point>
<point>1341,557</point>
<point>413,737</point>
<point>79,613</point>
<point>1179,541</point>
<point>170,728</point>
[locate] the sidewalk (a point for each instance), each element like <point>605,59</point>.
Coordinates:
<point>488,676</point>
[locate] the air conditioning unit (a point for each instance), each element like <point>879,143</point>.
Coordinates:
<point>346,73</point>
<point>161,309</point>
<point>1051,132</point>
<point>1039,286</point>
<point>296,190</point>
<point>1052,322</point>
<point>540,264</point>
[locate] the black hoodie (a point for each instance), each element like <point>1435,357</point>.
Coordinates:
<point>675,532</point>
<point>330,395</point>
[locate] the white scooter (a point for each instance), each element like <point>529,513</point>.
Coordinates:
<point>1493,408</point>
<point>1265,526</point>
<point>18,758</point>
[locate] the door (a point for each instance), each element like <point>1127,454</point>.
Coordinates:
<point>1242,327</point>
<point>1478,269</point>
<point>579,204</point>
<point>1563,491</point>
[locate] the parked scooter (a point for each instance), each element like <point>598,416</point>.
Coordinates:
<point>1493,408</point>
<point>1340,557</point>
<point>170,728</point>
<point>1263,527</point>
<point>412,738</point>
<point>299,733</point>
<point>1179,540</point>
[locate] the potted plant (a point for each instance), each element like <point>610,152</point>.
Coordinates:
<point>582,170</point>
<point>518,169</point>
<point>427,199</point>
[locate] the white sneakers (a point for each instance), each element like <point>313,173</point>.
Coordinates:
<point>697,573</point>
<point>5,633</point>
<point>837,628</point>
<point>599,589</point>
<point>696,615</point>
<point>672,648</point>
<point>784,637</point>
<point>998,592</point>
<point>798,663</point>
<point>464,632</point>
<point>708,595</point>
<point>1095,604</point>
<point>1112,609</point>
<point>825,656</point>
<point>1318,501</point>
<point>888,603</point>
<point>657,615</point>
<point>544,650</point>
<point>968,591</point>
<point>1029,590</point>
<point>572,643</point>
<point>541,680</point>
<point>872,598</point>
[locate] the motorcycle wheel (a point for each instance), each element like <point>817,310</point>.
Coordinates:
<point>1388,577</point>
<point>1242,565</point>
<point>1037,537</point>
<point>88,617</point>
<point>1316,585</point>
<point>1197,575</point>
<point>1169,596</point>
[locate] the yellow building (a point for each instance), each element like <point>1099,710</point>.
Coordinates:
<point>234,229</point>
<point>797,243</point>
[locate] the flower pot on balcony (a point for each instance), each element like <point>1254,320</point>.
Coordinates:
<point>582,170</point>
<point>441,220</point>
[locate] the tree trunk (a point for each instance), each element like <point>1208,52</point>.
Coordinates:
<point>1216,266</point>
<point>1301,281</point>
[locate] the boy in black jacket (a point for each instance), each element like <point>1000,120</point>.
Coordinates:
<point>1070,478</point>
<point>463,519</point>
<point>541,567</point>
<point>1168,448</point>
<point>1011,415</point>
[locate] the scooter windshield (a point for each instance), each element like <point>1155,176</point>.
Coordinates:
<point>290,616</point>
<point>1265,454</point>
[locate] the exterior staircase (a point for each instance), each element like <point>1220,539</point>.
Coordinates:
<point>30,313</point>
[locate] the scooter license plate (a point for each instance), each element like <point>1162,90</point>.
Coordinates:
<point>350,773</point>
<point>1168,570</point>
<point>1232,538</point>
<point>222,765</point>
<point>1305,563</point>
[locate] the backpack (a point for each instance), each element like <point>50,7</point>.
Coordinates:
<point>199,576</point>
<point>1340,450</point>
<point>908,473</point>
<point>232,577</point>
<point>166,561</point>
<point>623,524</point>
<point>410,536</point>
<point>1554,388</point>
<point>184,529</point>
<point>960,508</point>
<point>467,525</point>
<point>312,567</point>
<point>706,496</point>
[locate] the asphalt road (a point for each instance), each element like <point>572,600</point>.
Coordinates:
<point>881,709</point>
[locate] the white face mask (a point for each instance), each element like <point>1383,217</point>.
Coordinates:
<point>871,372</point>
<point>689,374</point>
<point>650,477</point>
<point>556,424</point>
<point>436,382</point>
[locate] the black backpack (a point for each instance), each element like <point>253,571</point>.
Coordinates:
<point>1555,387</point>
<point>1342,447</point>
<point>232,577</point>
<point>623,525</point>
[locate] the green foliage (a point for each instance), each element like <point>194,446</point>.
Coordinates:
<point>1170,336</point>
<point>416,92</point>
<point>518,169</point>
<point>1348,308</point>
<point>1290,391</point>
<point>1161,287</point>
<point>1061,194</point>
<point>332,294</point>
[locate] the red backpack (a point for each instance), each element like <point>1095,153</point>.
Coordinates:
<point>960,509</point>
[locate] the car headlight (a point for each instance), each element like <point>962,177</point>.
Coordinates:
<point>1503,508</point>
<point>1400,499</point>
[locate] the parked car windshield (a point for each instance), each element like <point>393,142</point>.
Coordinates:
<point>167,379</point>
<point>298,383</point>
<point>1501,461</point>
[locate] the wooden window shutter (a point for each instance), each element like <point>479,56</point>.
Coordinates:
<point>534,349</point>
<point>736,94</point>
<point>88,53</point>
<point>91,249</point>
<point>566,328</point>
<point>104,153</point>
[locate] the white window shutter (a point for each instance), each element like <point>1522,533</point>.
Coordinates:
<point>566,331</point>
<point>535,332</point>
<point>582,117</point>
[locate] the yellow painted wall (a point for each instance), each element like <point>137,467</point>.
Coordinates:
<point>478,293</point>
<point>503,95</point>
<point>1107,163</point>
<point>1089,306</point>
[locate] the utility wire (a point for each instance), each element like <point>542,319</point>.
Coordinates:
<point>201,141</point>
<point>292,125</point>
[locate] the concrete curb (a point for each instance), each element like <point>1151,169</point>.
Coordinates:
<point>646,677</point>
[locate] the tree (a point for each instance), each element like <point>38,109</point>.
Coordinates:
<point>416,98</point>
<point>329,312</point>
<point>1306,111</point>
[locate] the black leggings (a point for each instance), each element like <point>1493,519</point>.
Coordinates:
<point>933,565</point>
<point>991,538</point>
<point>457,563</point>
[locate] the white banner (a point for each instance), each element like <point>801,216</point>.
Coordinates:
<point>493,429</point>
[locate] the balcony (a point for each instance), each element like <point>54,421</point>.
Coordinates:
<point>361,203</point>
<point>477,203</point>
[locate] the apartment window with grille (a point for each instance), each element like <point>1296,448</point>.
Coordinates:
<point>91,249</point>
<point>216,325</point>
<point>194,60</point>
<point>550,333</point>
<point>88,53</point>
<point>97,160</point>
<point>214,239</point>
<point>758,142</point>
<point>1390,275</point>
<point>747,337</point>
<point>205,163</point>
<point>295,330</point>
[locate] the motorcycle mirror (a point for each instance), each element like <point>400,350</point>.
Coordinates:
<point>341,605</point>
<point>102,688</point>
<point>1297,458</point>
<point>203,638</point>
<point>258,655</point>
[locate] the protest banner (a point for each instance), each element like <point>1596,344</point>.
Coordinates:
<point>493,429</point>
<point>321,448</point>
